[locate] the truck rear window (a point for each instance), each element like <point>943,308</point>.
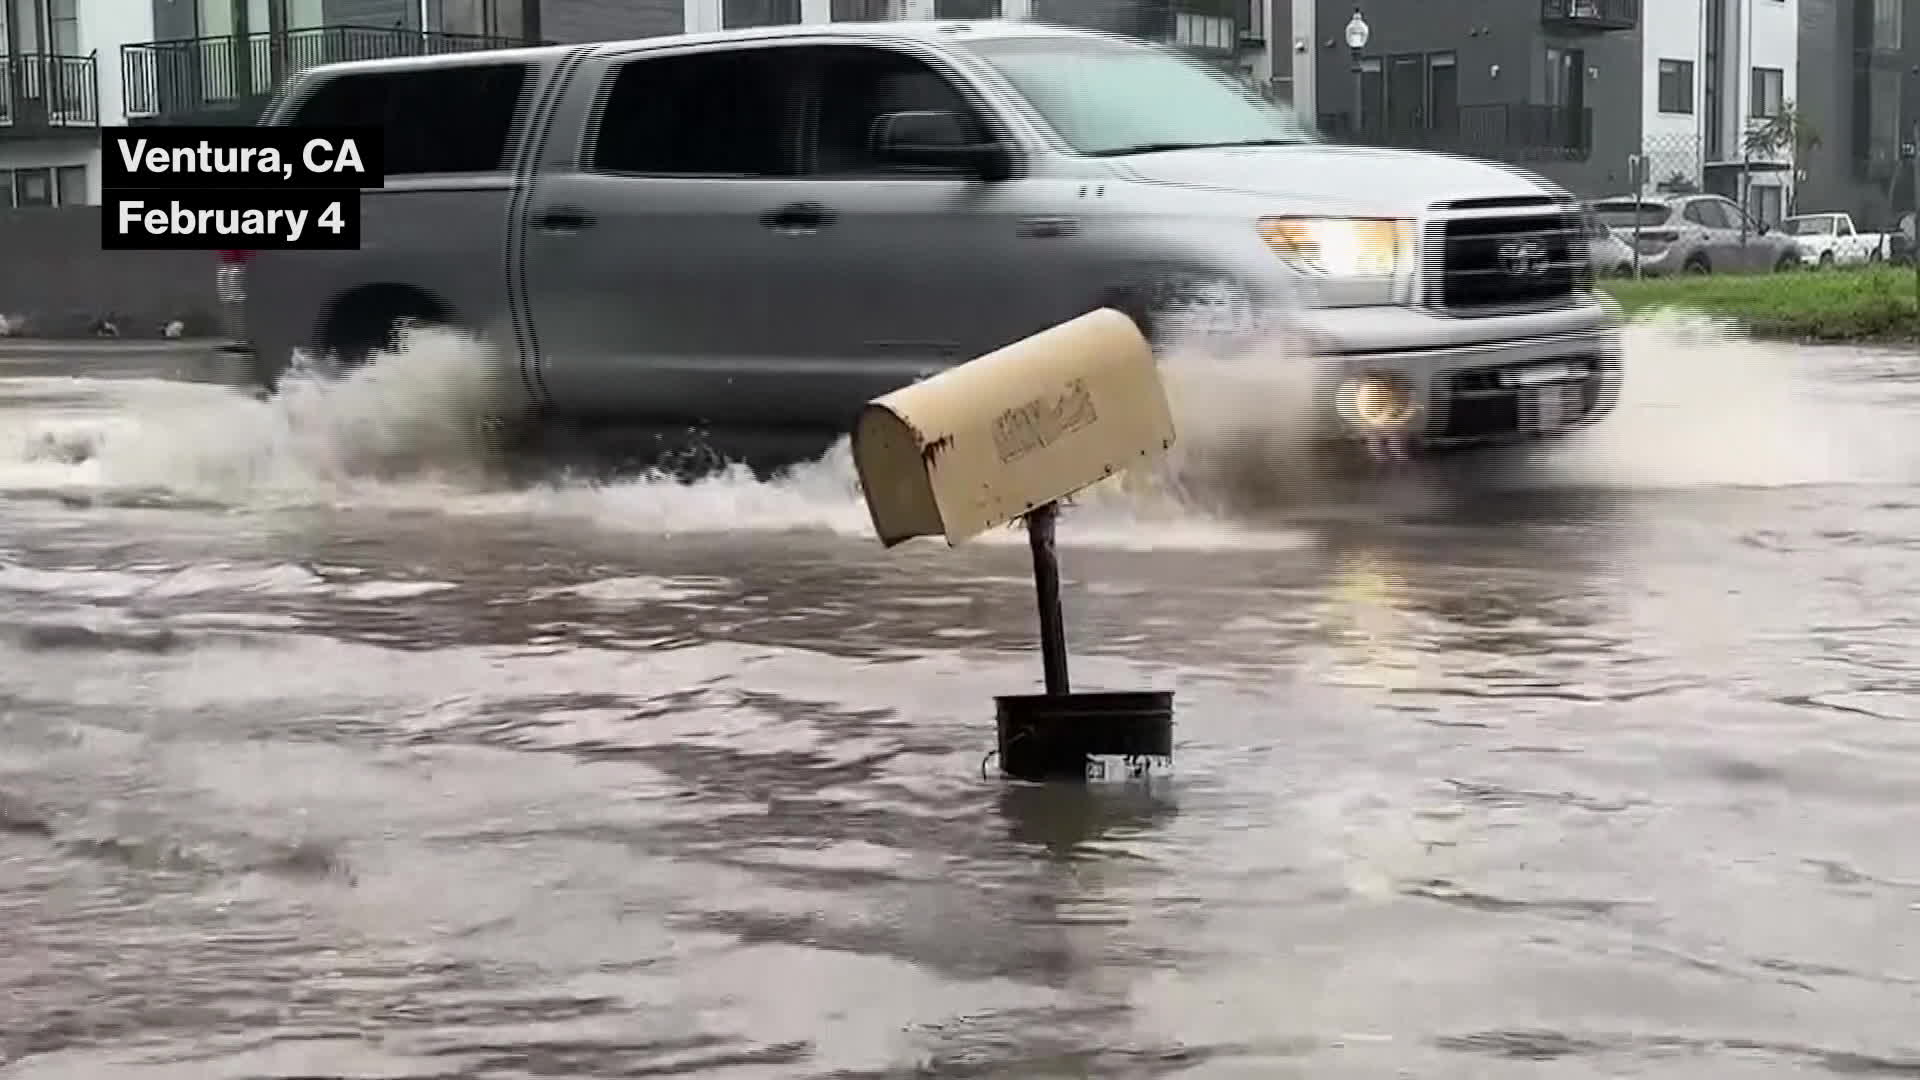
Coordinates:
<point>1621,215</point>
<point>1808,226</point>
<point>451,119</point>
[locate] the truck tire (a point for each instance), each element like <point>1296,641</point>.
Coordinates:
<point>1826,260</point>
<point>1696,264</point>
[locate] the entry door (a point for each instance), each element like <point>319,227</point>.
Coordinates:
<point>1406,95</point>
<point>661,287</point>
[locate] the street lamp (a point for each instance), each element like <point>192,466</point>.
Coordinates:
<point>1357,34</point>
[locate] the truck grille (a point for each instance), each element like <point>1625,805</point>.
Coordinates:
<point>1535,261</point>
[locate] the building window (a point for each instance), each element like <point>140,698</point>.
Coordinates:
<point>486,18</point>
<point>1769,93</point>
<point>861,10</point>
<point>1765,203</point>
<point>70,182</point>
<point>33,187</point>
<point>966,9</point>
<point>1883,111</point>
<point>740,13</point>
<point>1373,96</point>
<point>1443,91</point>
<point>1887,28</point>
<point>1676,86</point>
<point>63,18</point>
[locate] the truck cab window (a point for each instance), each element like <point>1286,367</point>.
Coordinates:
<point>726,114</point>
<point>454,119</point>
<point>858,86</point>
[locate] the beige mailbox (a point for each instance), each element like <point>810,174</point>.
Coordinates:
<point>985,442</point>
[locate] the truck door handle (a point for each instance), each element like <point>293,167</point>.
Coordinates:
<point>563,219</point>
<point>798,219</point>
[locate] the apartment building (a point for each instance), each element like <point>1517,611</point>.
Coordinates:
<point>219,61</point>
<point>1552,85</point>
<point>1859,92</point>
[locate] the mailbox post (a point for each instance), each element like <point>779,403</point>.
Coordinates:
<point>1010,435</point>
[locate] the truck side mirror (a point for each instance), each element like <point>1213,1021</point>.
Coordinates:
<point>937,139</point>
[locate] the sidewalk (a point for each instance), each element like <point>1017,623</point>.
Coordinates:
<point>13,346</point>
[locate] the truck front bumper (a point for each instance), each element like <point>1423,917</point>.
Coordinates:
<point>1432,382</point>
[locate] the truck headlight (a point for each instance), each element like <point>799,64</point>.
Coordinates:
<point>1343,248</point>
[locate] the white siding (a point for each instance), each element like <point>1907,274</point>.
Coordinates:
<point>1760,33</point>
<point>1672,141</point>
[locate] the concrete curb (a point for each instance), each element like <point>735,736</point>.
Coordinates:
<point>27,347</point>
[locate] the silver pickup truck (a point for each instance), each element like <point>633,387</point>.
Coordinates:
<point>767,228</point>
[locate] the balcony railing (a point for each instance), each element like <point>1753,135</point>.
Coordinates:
<point>230,79</point>
<point>41,93</point>
<point>1591,14</point>
<point>1208,27</point>
<point>1502,132</point>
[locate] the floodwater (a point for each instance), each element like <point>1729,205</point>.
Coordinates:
<point>322,754</point>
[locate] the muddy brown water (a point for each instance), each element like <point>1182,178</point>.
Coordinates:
<point>1596,769</point>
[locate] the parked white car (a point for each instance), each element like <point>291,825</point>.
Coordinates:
<point>1828,240</point>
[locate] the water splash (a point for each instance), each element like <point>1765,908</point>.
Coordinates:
<point>417,427</point>
<point>424,415</point>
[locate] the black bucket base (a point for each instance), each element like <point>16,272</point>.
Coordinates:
<point>1056,736</point>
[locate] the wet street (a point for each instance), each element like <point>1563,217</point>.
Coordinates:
<point>324,755</point>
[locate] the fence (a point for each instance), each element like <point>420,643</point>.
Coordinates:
<point>1756,174</point>
<point>1501,131</point>
<point>191,77</point>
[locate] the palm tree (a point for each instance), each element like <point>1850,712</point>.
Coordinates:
<point>1773,137</point>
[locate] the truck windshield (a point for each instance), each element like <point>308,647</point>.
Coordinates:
<point>1109,98</point>
<point>1807,226</point>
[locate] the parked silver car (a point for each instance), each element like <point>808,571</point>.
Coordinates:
<point>764,229</point>
<point>1696,234</point>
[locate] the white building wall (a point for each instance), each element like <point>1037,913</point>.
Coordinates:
<point>1672,142</point>
<point>1760,33</point>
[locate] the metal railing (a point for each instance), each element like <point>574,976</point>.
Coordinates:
<point>1207,26</point>
<point>1504,132</point>
<point>1595,14</point>
<point>40,90</point>
<point>197,76</point>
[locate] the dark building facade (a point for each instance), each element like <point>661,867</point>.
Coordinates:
<point>1860,92</point>
<point>1551,85</point>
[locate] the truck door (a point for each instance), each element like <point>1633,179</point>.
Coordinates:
<point>920,266</point>
<point>654,278</point>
